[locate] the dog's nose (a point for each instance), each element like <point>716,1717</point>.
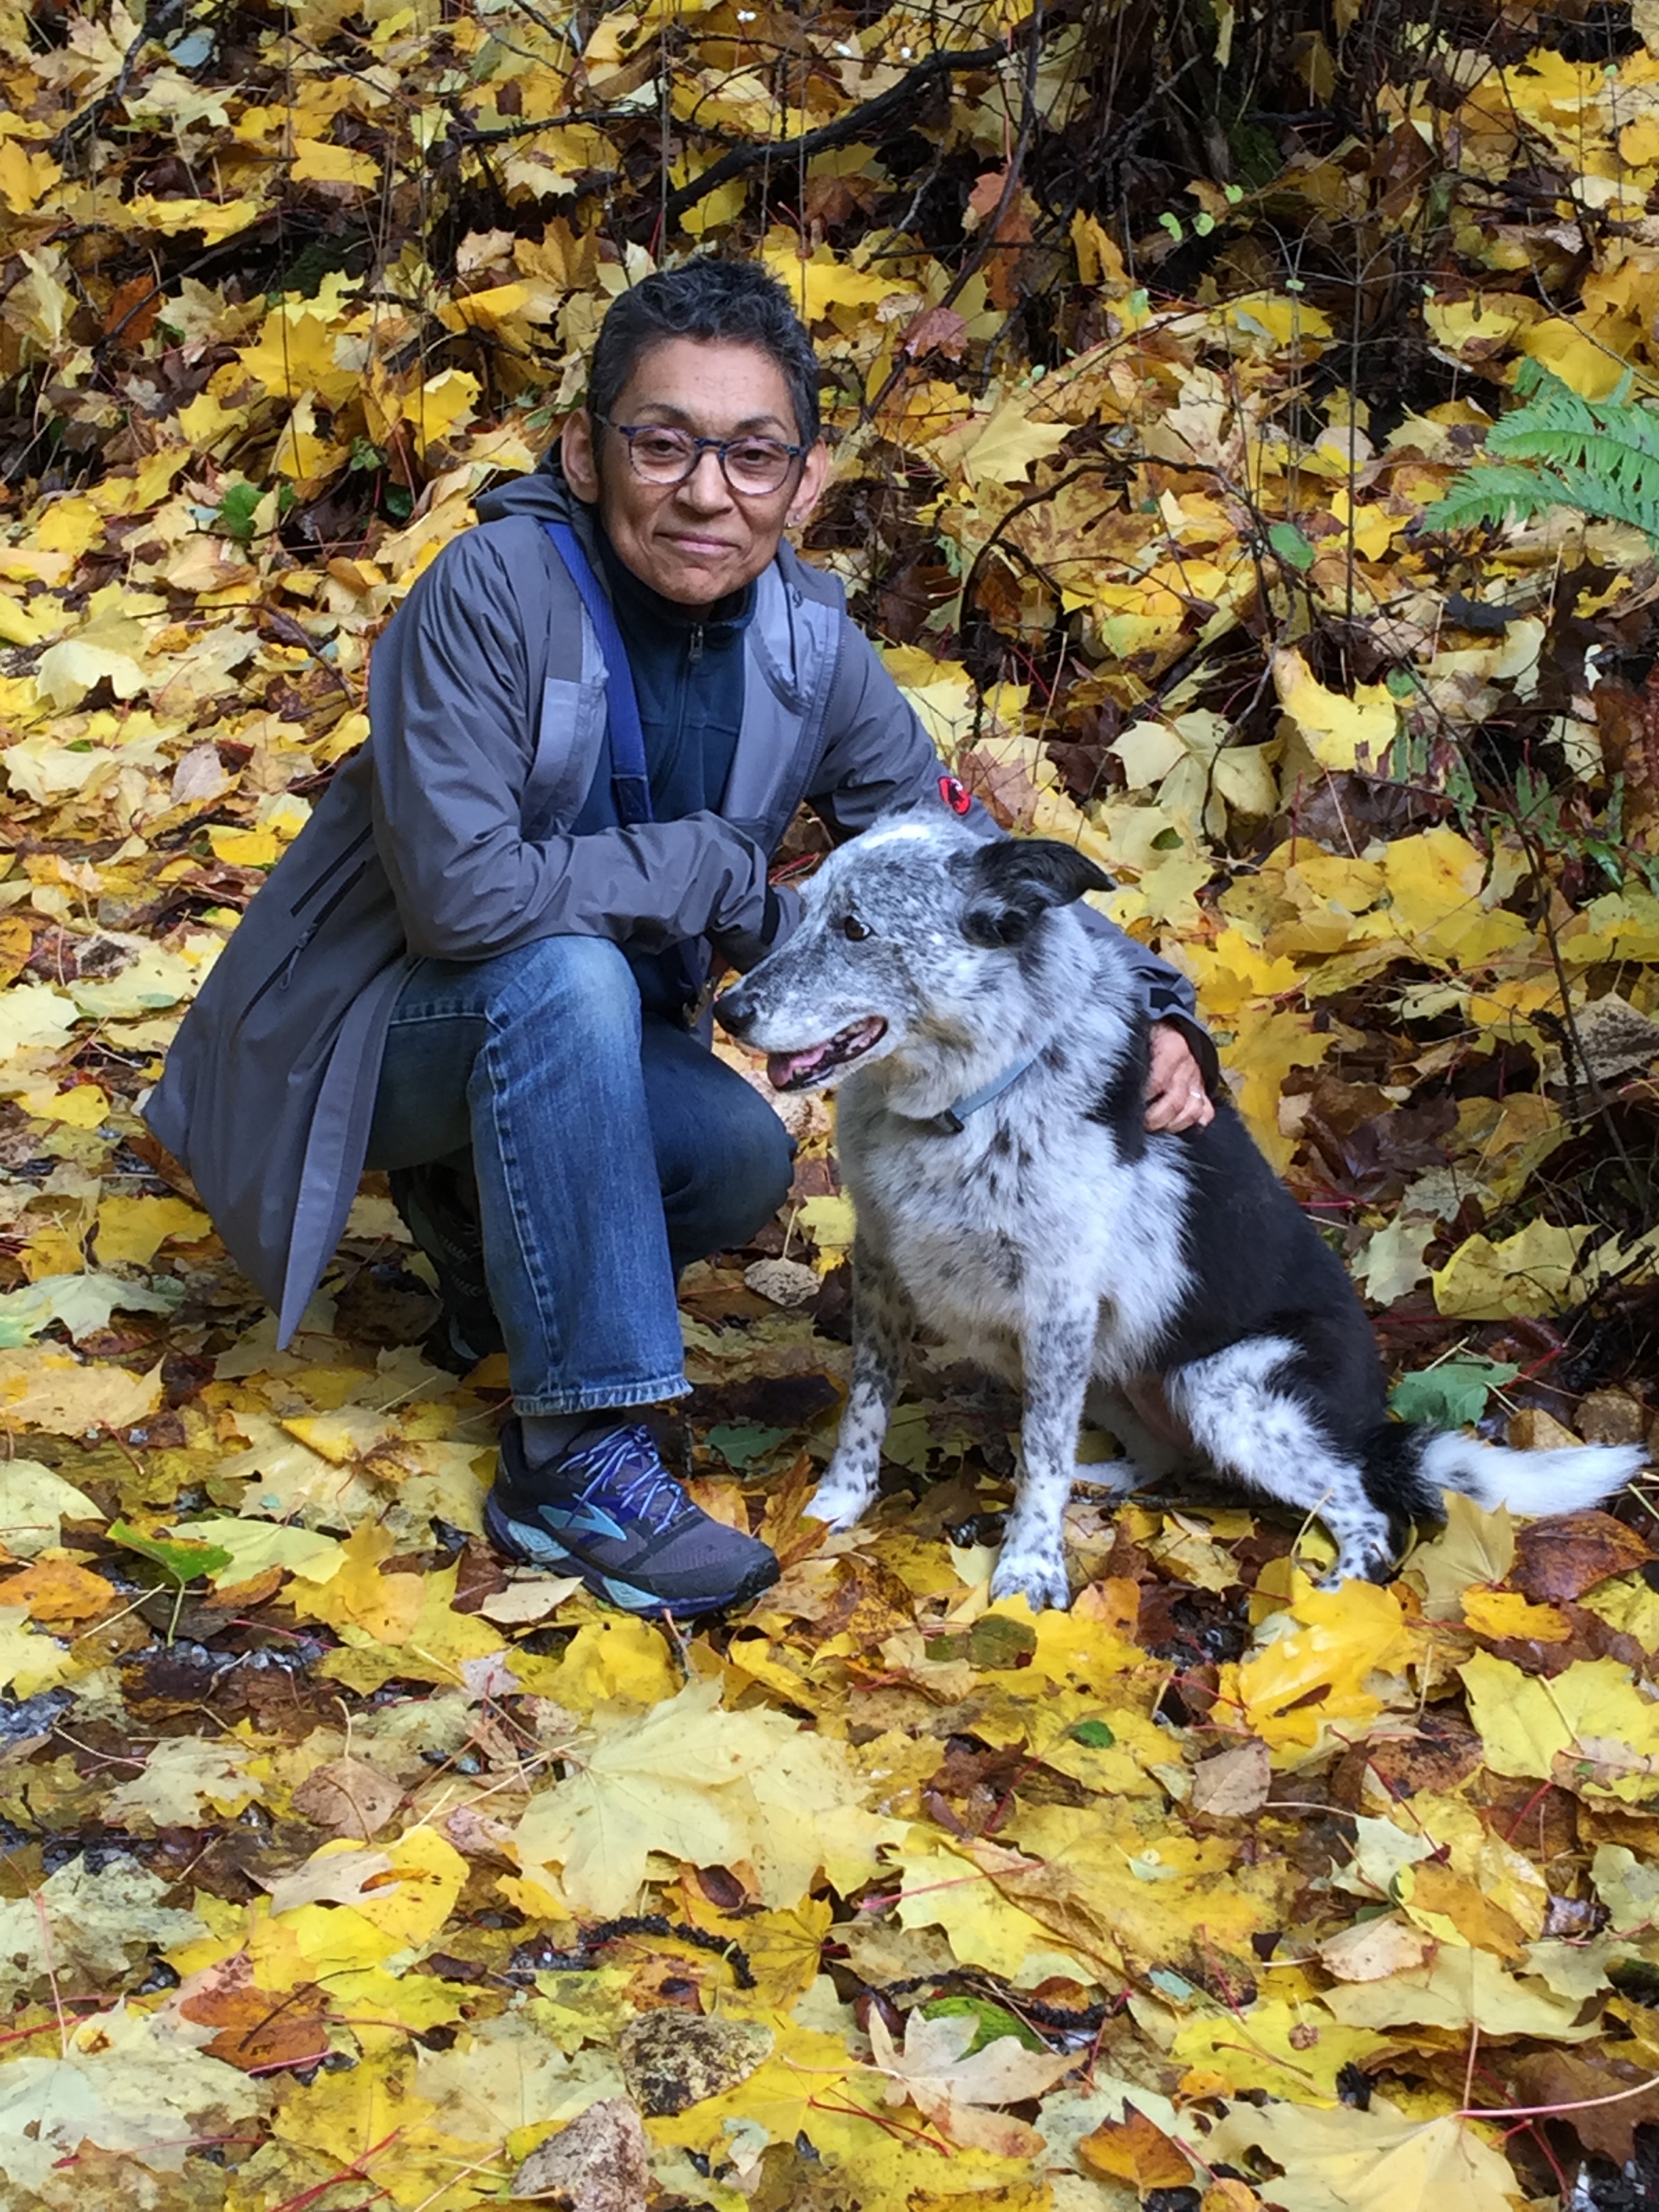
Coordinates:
<point>735,1012</point>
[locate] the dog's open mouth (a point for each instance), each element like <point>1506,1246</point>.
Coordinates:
<point>793,1070</point>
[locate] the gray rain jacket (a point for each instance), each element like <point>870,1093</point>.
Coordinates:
<point>446,836</point>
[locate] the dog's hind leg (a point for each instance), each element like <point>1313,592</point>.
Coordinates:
<point>1056,1351</point>
<point>1250,1420</point>
<point>883,1325</point>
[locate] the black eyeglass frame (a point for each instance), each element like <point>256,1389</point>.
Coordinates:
<point>719,447</point>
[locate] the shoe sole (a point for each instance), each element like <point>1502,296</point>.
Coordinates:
<point>541,1551</point>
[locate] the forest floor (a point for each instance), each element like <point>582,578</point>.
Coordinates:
<point>341,1866</point>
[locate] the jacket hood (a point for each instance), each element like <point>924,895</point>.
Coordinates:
<point>544,493</point>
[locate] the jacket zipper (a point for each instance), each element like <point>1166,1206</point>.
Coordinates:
<point>279,978</point>
<point>697,643</point>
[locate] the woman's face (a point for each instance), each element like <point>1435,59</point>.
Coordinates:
<point>693,542</point>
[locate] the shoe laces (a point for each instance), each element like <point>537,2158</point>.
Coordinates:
<point>641,1492</point>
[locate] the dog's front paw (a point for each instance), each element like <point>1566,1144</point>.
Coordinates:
<point>1039,1578</point>
<point>841,1500</point>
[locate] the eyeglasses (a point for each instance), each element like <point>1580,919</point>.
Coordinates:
<point>662,455</point>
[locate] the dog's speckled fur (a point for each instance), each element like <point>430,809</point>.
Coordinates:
<point>1169,1283</point>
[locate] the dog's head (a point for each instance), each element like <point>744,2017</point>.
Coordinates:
<point>908,931</point>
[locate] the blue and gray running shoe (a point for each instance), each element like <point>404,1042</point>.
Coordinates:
<point>610,1512</point>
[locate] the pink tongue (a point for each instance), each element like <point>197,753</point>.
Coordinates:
<point>783,1069</point>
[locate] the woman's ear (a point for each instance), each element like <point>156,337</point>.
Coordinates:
<point>814,472</point>
<point>577,451</point>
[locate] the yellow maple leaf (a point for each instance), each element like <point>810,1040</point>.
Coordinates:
<point>1589,1728</point>
<point>817,282</point>
<point>1506,1614</point>
<point>691,1782</point>
<point>1321,1670</point>
<point>44,1388</point>
<point>385,1607</point>
<point>1378,2160</point>
<point>132,1231</point>
<point>1529,1273</point>
<point>246,849</point>
<point>1009,441</point>
<point>1290,2050</point>
<point>319,161</point>
<point>30,1661</point>
<point>616,1657</point>
<point>1338,731</point>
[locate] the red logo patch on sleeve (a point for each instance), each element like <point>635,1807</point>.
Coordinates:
<point>955,795</point>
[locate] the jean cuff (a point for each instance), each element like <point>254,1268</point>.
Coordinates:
<point>600,1399</point>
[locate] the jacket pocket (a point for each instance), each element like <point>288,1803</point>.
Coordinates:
<point>281,977</point>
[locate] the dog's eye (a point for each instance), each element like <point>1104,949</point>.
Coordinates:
<point>851,927</point>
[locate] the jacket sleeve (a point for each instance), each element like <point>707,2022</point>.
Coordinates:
<point>453,738</point>
<point>879,757</point>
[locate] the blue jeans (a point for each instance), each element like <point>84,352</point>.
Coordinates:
<point>610,1148</point>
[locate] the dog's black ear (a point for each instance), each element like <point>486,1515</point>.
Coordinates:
<point>1013,882</point>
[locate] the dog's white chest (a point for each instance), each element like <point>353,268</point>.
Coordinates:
<point>972,1223</point>
<point>990,1230</point>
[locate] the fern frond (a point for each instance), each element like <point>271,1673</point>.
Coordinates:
<point>1490,493</point>
<point>1606,499</point>
<point>1598,457</point>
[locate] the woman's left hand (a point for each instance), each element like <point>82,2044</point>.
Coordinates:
<point>1175,1097</point>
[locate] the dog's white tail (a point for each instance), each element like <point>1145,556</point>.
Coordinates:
<point>1530,1481</point>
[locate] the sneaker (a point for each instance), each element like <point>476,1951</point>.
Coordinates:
<point>439,1209</point>
<point>610,1512</point>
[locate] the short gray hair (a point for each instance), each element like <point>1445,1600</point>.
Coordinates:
<point>733,302</point>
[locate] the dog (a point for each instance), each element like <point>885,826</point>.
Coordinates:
<point>992,1060</point>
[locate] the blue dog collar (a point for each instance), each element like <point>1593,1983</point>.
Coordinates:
<point>951,1119</point>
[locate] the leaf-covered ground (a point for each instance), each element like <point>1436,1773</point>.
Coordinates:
<point>345,1867</point>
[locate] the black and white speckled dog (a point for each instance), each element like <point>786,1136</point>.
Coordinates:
<point>1010,1197</point>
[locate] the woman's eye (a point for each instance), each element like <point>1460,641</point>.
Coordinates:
<point>851,927</point>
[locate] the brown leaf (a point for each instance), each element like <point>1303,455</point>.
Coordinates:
<point>1560,2077</point>
<point>940,330</point>
<point>132,311</point>
<point>256,2028</point>
<point>1234,1784</point>
<point>1439,1754</point>
<point>1135,2150</point>
<point>350,1797</point>
<point>1569,1553</point>
<point>1534,1430</point>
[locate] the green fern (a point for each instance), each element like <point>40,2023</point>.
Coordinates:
<point>1598,457</point>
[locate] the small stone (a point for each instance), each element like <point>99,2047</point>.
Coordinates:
<point>783,1282</point>
<point>672,2058</point>
<point>1612,1417</point>
<point>599,2163</point>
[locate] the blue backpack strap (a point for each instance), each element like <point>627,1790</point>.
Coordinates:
<point>629,778</point>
